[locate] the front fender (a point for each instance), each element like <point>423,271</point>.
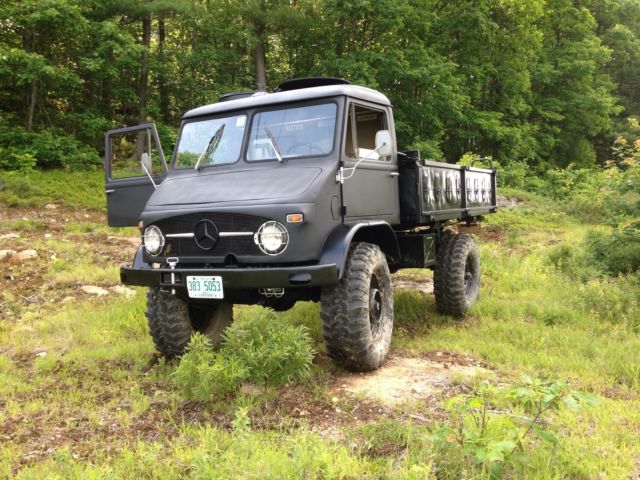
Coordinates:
<point>336,248</point>
<point>138,259</point>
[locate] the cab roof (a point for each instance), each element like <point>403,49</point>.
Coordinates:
<point>290,96</point>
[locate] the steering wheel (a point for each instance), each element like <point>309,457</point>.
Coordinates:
<point>311,146</point>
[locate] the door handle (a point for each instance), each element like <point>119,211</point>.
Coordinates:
<point>394,174</point>
<point>109,191</point>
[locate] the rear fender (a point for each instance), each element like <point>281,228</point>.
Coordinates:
<point>336,248</point>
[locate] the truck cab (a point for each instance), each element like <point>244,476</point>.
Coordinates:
<point>268,197</point>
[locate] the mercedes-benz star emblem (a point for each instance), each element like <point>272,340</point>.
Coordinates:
<point>206,234</point>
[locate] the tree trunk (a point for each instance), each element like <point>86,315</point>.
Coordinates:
<point>143,85</point>
<point>28,44</point>
<point>259,52</point>
<point>144,70</point>
<point>32,104</point>
<point>162,87</point>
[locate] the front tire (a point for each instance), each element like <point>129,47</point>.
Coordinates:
<point>172,321</point>
<point>457,276</point>
<point>357,313</point>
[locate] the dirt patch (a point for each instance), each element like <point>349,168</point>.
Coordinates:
<point>404,379</point>
<point>421,284</point>
<point>493,234</point>
<point>44,232</point>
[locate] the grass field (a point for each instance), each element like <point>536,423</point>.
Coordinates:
<point>83,395</point>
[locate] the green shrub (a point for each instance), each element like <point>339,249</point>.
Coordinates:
<point>616,253</point>
<point>513,174</point>
<point>273,350</point>
<point>613,300</point>
<point>203,373</point>
<point>572,260</point>
<point>261,348</point>
<point>494,429</point>
<point>50,148</point>
<point>22,162</point>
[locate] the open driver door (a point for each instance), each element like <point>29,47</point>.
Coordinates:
<point>134,166</point>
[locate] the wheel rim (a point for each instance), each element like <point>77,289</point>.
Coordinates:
<point>375,305</point>
<point>469,274</point>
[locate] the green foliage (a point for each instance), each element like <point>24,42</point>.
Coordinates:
<point>12,160</point>
<point>260,348</point>
<point>494,429</point>
<point>39,188</point>
<point>203,372</point>
<point>523,81</point>
<point>49,148</point>
<point>273,351</point>
<point>618,252</point>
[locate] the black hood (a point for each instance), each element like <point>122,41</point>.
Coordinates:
<point>235,186</point>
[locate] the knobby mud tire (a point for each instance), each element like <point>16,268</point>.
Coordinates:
<point>357,313</point>
<point>172,321</point>
<point>456,281</point>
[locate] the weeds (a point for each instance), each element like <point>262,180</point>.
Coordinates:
<point>203,373</point>
<point>494,428</point>
<point>262,348</point>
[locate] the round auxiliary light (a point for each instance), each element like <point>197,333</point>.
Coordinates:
<point>272,238</point>
<point>153,240</point>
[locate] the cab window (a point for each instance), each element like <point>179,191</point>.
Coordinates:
<point>362,125</point>
<point>292,132</point>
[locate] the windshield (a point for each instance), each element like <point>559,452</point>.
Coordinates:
<point>296,132</point>
<point>211,142</point>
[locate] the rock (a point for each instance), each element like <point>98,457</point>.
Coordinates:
<point>47,235</point>
<point>249,389</point>
<point>51,206</point>
<point>120,290</point>
<point>93,290</point>
<point>41,354</point>
<point>135,241</point>
<point>9,235</point>
<point>6,254</point>
<point>504,202</point>
<point>28,254</point>
<point>68,299</point>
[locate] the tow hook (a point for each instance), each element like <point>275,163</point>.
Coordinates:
<point>173,261</point>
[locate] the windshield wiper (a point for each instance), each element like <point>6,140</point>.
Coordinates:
<point>212,145</point>
<point>273,143</point>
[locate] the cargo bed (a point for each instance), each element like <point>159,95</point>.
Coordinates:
<point>433,191</point>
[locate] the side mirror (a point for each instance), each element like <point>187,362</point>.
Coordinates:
<point>383,143</point>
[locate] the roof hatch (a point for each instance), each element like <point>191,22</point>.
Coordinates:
<point>300,83</point>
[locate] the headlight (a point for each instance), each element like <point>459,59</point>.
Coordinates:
<point>153,240</point>
<point>272,238</point>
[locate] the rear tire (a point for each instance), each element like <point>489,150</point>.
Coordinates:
<point>457,276</point>
<point>172,321</point>
<point>357,313</point>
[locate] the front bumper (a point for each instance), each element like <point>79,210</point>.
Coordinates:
<point>235,278</point>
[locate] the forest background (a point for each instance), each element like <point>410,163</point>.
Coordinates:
<point>535,84</point>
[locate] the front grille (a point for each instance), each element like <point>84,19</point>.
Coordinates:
<point>226,222</point>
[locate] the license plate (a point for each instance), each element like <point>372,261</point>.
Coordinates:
<point>205,287</point>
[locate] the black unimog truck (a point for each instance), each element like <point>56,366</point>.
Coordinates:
<point>300,194</point>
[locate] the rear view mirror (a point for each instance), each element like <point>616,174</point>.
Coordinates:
<point>383,143</point>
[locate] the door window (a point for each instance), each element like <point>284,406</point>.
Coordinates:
<point>133,150</point>
<point>361,139</point>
